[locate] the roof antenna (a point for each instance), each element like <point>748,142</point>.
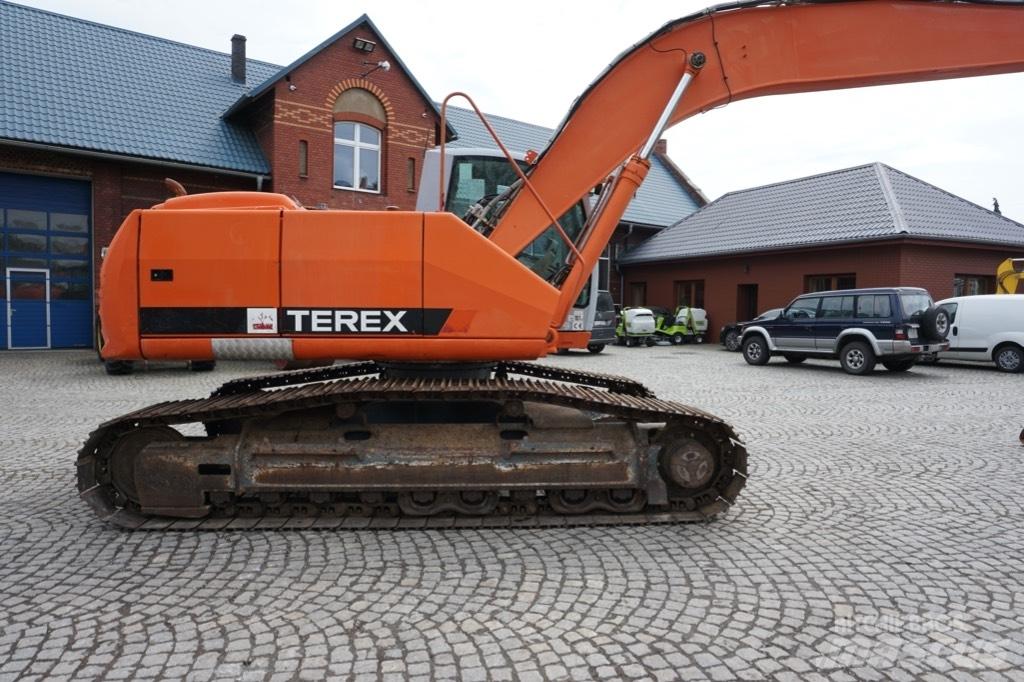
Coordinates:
<point>995,206</point>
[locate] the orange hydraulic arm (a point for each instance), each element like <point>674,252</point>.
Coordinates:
<point>748,49</point>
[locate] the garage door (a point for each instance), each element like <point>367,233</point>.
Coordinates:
<point>45,262</point>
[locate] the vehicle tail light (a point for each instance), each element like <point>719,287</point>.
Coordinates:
<point>901,334</point>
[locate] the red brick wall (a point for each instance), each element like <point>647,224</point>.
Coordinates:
<point>307,113</point>
<point>781,276</point>
<point>933,266</point>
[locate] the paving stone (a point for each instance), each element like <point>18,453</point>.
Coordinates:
<point>873,505</point>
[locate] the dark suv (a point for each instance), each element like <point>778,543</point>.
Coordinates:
<point>859,326</point>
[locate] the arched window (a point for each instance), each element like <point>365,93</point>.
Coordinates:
<point>359,119</point>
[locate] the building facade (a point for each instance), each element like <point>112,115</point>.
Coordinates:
<point>869,226</point>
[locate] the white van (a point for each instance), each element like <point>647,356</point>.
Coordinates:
<point>986,328</point>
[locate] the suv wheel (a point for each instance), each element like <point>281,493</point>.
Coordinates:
<point>795,359</point>
<point>732,340</point>
<point>857,358</point>
<point>1009,358</point>
<point>755,350</point>
<point>935,323</point>
<point>899,365</point>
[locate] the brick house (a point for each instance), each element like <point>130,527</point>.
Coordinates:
<point>101,115</point>
<point>867,226</point>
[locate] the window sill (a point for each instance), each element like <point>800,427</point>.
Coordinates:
<point>356,189</point>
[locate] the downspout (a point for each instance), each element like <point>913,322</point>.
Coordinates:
<point>259,182</point>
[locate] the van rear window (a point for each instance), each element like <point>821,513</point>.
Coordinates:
<point>914,304</point>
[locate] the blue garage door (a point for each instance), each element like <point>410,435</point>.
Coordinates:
<point>45,262</point>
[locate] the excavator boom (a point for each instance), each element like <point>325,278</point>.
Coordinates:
<point>754,49</point>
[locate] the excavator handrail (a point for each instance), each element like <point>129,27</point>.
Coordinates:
<point>508,155</point>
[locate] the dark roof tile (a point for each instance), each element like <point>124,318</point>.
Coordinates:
<point>75,83</point>
<point>863,203</point>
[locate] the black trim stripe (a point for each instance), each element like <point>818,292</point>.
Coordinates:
<point>192,321</point>
<point>213,321</point>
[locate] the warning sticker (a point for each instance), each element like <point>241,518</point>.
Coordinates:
<point>261,320</point>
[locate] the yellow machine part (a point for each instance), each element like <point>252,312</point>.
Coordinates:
<point>1009,275</point>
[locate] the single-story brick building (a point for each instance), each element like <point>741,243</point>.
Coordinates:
<point>95,117</point>
<point>867,226</point>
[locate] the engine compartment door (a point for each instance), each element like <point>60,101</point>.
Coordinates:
<point>209,272</point>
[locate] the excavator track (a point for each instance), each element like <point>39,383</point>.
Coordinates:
<point>291,450</point>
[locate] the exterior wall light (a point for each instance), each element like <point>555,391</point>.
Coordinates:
<point>364,45</point>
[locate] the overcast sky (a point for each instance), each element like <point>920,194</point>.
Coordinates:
<point>528,60</point>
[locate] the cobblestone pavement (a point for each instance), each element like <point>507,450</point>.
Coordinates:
<point>881,536</point>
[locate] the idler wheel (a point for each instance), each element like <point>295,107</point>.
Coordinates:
<point>122,458</point>
<point>688,463</point>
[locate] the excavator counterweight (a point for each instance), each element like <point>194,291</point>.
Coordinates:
<point>443,422</point>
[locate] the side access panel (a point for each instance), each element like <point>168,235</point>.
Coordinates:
<point>493,296</point>
<point>352,283</point>
<point>206,273</point>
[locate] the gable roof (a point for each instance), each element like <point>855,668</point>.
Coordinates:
<point>80,85</point>
<point>662,199</point>
<point>863,203</point>
<point>273,78</point>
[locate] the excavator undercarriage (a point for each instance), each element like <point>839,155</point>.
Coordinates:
<point>372,445</point>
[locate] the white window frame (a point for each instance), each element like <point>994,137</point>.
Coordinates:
<point>357,145</point>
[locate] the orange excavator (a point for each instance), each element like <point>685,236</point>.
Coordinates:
<point>441,421</point>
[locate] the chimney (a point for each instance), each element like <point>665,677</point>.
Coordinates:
<point>995,206</point>
<point>661,147</point>
<point>238,58</point>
